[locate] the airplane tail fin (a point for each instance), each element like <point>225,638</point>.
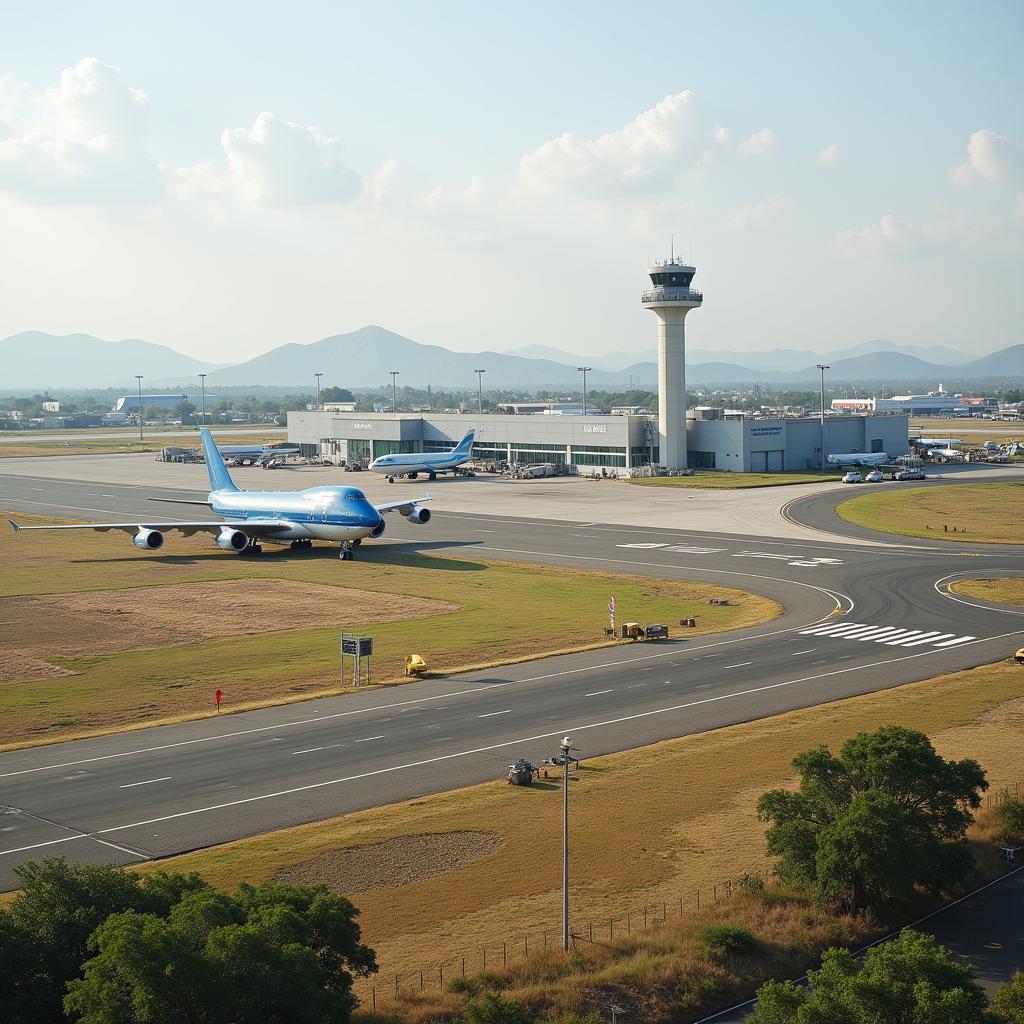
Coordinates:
<point>220,478</point>
<point>465,446</point>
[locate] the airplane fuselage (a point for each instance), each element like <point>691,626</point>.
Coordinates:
<point>317,513</point>
<point>402,465</point>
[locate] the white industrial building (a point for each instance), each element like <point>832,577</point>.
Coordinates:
<point>629,442</point>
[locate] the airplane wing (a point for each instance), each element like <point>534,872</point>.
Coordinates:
<point>183,501</point>
<point>252,527</point>
<point>405,507</point>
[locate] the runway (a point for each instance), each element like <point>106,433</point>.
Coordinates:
<point>160,791</point>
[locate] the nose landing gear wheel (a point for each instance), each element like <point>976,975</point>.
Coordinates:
<point>346,551</point>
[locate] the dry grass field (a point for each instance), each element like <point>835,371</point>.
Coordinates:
<point>971,513</point>
<point>735,481</point>
<point>100,635</point>
<point>1005,590</point>
<point>649,826</point>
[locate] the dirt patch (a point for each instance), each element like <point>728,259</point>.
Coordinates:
<point>393,863</point>
<point>96,622</point>
<point>17,665</point>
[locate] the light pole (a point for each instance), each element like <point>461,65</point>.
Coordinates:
<point>583,370</point>
<point>319,442</point>
<point>564,758</point>
<point>823,367</point>
<point>202,378</point>
<point>138,377</point>
<point>394,390</point>
<point>480,391</point>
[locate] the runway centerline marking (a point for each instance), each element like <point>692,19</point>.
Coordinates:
<point>491,714</point>
<point>148,782</point>
<point>797,654</point>
<point>597,693</point>
<point>742,664</point>
<point>308,750</point>
<point>485,749</point>
<point>367,739</point>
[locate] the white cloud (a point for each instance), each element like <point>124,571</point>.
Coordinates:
<point>756,215</point>
<point>380,185</point>
<point>759,144</point>
<point>81,142</point>
<point>722,137</point>
<point>828,155</point>
<point>278,162</point>
<point>990,156</point>
<point>644,156</point>
<point>471,198</point>
<point>872,239</point>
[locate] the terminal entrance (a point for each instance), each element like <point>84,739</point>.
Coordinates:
<point>766,462</point>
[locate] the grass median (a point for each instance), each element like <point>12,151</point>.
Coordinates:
<point>961,513</point>
<point>1002,590</point>
<point>650,827</point>
<point>101,636</point>
<point>735,481</point>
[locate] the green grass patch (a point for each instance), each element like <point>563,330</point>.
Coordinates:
<point>733,481</point>
<point>974,513</point>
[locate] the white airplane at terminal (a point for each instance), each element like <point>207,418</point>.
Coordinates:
<point>256,453</point>
<point>859,459</point>
<point>249,519</point>
<point>414,463</point>
<point>949,454</point>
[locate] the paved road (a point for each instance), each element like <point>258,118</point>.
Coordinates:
<point>165,790</point>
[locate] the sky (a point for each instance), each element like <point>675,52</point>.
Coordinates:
<point>225,178</point>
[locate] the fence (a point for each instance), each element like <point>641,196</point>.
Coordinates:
<point>519,948</point>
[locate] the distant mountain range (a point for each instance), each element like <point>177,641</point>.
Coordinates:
<point>34,359</point>
<point>365,357</point>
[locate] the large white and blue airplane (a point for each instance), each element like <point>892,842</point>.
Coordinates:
<point>412,464</point>
<point>249,519</point>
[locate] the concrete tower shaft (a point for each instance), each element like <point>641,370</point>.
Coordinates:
<point>671,298</point>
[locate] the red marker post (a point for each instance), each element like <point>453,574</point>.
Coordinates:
<point>218,697</point>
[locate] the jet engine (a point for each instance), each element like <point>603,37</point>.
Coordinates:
<point>419,515</point>
<point>151,539</point>
<point>232,540</point>
<point>378,529</point>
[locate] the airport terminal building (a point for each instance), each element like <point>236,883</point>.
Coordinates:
<point>587,444</point>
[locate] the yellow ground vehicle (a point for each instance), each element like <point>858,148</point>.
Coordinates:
<point>1019,657</point>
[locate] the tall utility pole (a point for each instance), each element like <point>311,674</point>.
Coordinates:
<point>823,367</point>
<point>480,391</point>
<point>202,378</point>
<point>394,390</point>
<point>583,370</point>
<point>138,377</point>
<point>319,442</point>
<point>566,747</point>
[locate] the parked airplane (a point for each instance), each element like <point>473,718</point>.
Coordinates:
<point>412,464</point>
<point>256,454</point>
<point>935,442</point>
<point>859,459</point>
<point>947,454</point>
<point>249,518</point>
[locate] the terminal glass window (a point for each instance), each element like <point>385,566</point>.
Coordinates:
<point>359,449</point>
<point>589,455</point>
<point>392,448</point>
<point>700,460</point>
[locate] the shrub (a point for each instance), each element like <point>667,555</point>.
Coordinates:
<point>726,939</point>
<point>1010,822</point>
<point>495,1009</point>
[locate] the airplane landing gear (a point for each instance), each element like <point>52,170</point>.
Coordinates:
<point>412,476</point>
<point>252,549</point>
<point>391,479</point>
<point>432,476</point>
<point>299,545</point>
<point>346,551</point>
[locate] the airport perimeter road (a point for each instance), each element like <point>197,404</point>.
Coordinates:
<point>163,790</point>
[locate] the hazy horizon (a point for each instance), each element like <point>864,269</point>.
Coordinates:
<point>224,180</point>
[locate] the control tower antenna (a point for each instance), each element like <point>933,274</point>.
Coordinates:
<point>671,298</point>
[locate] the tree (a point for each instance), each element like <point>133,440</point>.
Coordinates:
<point>1010,822</point>
<point>49,923</point>
<point>339,395</point>
<point>867,826</point>
<point>270,953</point>
<point>910,980</point>
<point>1008,1002</point>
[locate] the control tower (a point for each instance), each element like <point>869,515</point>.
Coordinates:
<point>671,298</point>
